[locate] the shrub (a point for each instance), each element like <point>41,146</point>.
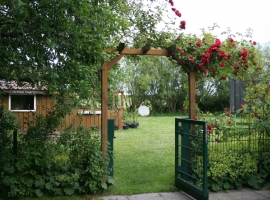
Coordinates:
<point>69,165</point>
<point>8,123</point>
<point>233,168</point>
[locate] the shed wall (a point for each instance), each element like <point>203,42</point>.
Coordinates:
<point>74,120</point>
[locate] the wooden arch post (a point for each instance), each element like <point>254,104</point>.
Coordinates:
<point>170,51</point>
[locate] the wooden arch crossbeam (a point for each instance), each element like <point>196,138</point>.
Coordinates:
<point>145,50</point>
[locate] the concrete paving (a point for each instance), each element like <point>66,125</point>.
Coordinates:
<point>244,194</point>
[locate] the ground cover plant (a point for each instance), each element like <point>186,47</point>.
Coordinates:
<point>238,152</point>
<point>42,165</point>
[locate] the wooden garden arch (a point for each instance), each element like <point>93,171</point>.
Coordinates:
<point>169,52</point>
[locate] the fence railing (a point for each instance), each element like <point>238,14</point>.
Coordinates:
<point>239,140</point>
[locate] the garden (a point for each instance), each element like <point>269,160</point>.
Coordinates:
<point>143,161</point>
<point>76,61</point>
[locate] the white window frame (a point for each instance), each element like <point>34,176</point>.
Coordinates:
<point>9,103</point>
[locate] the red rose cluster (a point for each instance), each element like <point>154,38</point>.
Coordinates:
<point>177,12</point>
<point>215,48</point>
<point>205,57</point>
<point>244,54</point>
<point>232,42</point>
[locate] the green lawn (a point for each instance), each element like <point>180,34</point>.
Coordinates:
<point>144,157</point>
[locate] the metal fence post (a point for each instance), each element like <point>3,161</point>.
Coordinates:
<point>110,146</point>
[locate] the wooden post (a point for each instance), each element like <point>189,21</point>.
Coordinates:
<point>104,102</point>
<point>192,95</point>
<point>104,108</point>
<point>122,100</point>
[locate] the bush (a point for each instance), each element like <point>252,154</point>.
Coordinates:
<point>8,123</point>
<point>229,169</point>
<point>69,165</point>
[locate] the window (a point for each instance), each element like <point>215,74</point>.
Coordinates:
<point>22,103</point>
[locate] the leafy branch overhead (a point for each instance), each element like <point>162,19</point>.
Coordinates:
<point>61,44</point>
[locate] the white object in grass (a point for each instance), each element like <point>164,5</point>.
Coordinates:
<point>143,110</point>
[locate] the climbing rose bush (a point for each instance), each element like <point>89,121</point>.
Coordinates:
<point>211,57</point>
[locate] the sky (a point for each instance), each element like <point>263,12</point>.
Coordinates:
<point>239,15</point>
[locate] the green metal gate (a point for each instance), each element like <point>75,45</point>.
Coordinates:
<point>191,157</point>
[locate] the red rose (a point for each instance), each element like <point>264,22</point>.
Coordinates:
<point>183,23</point>
<point>178,13</point>
<point>228,57</point>
<point>200,65</point>
<point>182,26</point>
<point>222,78</point>
<point>229,122</point>
<point>204,71</point>
<point>221,64</point>
<point>254,43</point>
<point>222,55</point>
<point>183,52</point>
<point>225,109</point>
<point>178,48</point>
<point>241,105</point>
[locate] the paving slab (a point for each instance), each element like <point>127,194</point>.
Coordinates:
<point>244,194</point>
<point>150,196</point>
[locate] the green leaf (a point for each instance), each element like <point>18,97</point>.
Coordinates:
<point>38,193</point>
<point>68,191</point>
<point>104,185</point>
<point>48,186</point>
<point>110,180</point>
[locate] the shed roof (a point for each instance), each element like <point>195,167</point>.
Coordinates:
<point>20,87</point>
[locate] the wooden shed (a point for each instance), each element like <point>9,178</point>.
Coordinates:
<point>27,101</point>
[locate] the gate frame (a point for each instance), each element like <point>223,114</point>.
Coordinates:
<point>169,52</point>
<point>186,130</point>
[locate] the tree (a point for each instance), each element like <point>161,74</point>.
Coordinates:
<point>60,43</point>
<point>154,80</point>
<point>212,94</point>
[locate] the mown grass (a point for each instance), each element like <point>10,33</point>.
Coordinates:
<point>144,157</point>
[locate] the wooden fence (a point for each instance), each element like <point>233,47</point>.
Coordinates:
<point>74,120</point>
<point>89,120</point>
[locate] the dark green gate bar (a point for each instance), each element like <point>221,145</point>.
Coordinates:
<point>191,157</point>
<point>110,147</point>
